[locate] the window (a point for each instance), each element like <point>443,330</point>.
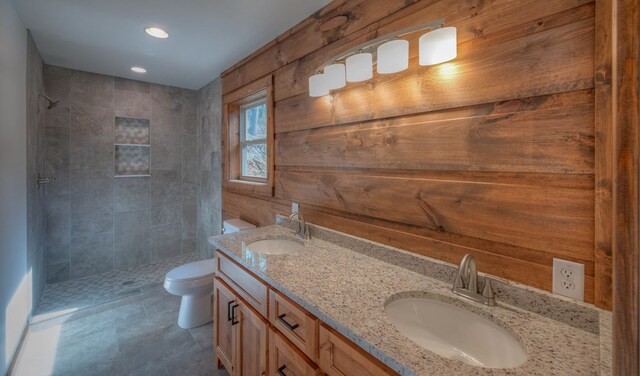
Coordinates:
<point>253,140</point>
<point>248,138</point>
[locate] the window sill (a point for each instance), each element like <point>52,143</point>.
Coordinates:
<point>249,187</point>
<point>249,182</point>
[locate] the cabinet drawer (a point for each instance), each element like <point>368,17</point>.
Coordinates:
<point>245,284</point>
<point>286,360</point>
<point>295,323</point>
<point>341,357</point>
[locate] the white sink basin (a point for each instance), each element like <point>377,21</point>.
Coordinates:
<point>455,333</point>
<point>277,246</point>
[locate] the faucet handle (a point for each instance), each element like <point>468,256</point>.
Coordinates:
<point>487,292</point>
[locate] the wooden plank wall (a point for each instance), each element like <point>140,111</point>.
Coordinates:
<point>492,154</point>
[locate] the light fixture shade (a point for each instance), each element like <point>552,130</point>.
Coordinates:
<point>438,46</point>
<point>393,56</point>
<point>359,67</point>
<point>334,76</point>
<point>318,85</point>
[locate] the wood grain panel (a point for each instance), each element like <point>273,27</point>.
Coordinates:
<point>319,30</point>
<point>534,217</point>
<point>626,192</point>
<point>604,153</point>
<point>483,72</point>
<point>257,211</point>
<point>508,147</point>
<point>522,265</point>
<point>483,20</point>
<point>523,136</point>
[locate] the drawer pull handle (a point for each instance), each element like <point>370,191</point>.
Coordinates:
<point>282,320</point>
<point>281,371</point>
<point>233,314</point>
<point>229,317</point>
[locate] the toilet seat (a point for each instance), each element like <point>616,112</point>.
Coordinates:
<point>192,271</point>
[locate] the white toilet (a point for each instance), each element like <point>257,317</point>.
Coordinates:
<point>194,282</point>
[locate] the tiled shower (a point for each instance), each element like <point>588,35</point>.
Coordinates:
<point>99,219</point>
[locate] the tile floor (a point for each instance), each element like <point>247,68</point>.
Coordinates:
<point>138,338</point>
<point>102,288</point>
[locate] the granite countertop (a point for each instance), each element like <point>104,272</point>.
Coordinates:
<point>348,290</point>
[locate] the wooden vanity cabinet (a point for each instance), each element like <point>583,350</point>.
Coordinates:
<point>241,334</point>
<point>293,342</point>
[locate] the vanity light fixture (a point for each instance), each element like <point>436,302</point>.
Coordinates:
<point>388,52</point>
<point>156,32</point>
<point>138,69</point>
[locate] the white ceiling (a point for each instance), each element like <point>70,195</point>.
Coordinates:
<point>206,36</point>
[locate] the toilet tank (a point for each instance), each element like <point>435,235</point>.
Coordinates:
<point>235,225</point>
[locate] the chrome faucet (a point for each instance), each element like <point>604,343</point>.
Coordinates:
<point>466,282</point>
<point>303,229</point>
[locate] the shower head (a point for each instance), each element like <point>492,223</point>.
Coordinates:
<point>52,103</point>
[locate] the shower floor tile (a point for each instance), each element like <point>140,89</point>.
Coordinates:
<point>73,295</point>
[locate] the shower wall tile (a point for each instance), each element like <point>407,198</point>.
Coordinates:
<point>165,128</point>
<point>165,242</point>
<point>132,85</point>
<point>57,229</point>
<point>95,222</point>
<point>165,215</point>
<point>57,83</point>
<point>58,272</point>
<point>91,254</point>
<point>131,238</point>
<point>189,160</point>
<point>58,220</point>
<point>189,215</point>
<point>208,130</point>
<point>131,194</point>
<point>165,100</point>
<point>189,246</point>
<point>166,188</point>
<point>132,104</point>
<point>57,160</point>
<point>91,214</point>
<point>90,89</point>
<point>91,182</point>
<point>92,135</point>
<point>166,155</point>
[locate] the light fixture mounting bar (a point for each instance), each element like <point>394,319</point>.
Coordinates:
<point>371,44</point>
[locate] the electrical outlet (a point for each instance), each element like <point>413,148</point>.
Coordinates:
<point>568,279</point>
<point>294,207</point>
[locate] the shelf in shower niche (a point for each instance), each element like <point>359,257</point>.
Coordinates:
<point>143,145</point>
<point>132,131</point>
<point>131,160</point>
<point>131,176</point>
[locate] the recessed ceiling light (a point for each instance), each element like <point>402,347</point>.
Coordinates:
<point>138,69</point>
<point>157,32</point>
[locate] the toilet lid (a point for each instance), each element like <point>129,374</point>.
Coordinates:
<point>192,270</point>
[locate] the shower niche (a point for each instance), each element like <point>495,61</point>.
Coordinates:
<point>132,148</point>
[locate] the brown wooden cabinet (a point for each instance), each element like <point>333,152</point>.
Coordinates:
<point>253,346</point>
<point>292,343</point>
<point>241,334</point>
<point>224,332</point>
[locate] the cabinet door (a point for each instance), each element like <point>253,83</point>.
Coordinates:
<point>254,335</point>
<point>225,333</point>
